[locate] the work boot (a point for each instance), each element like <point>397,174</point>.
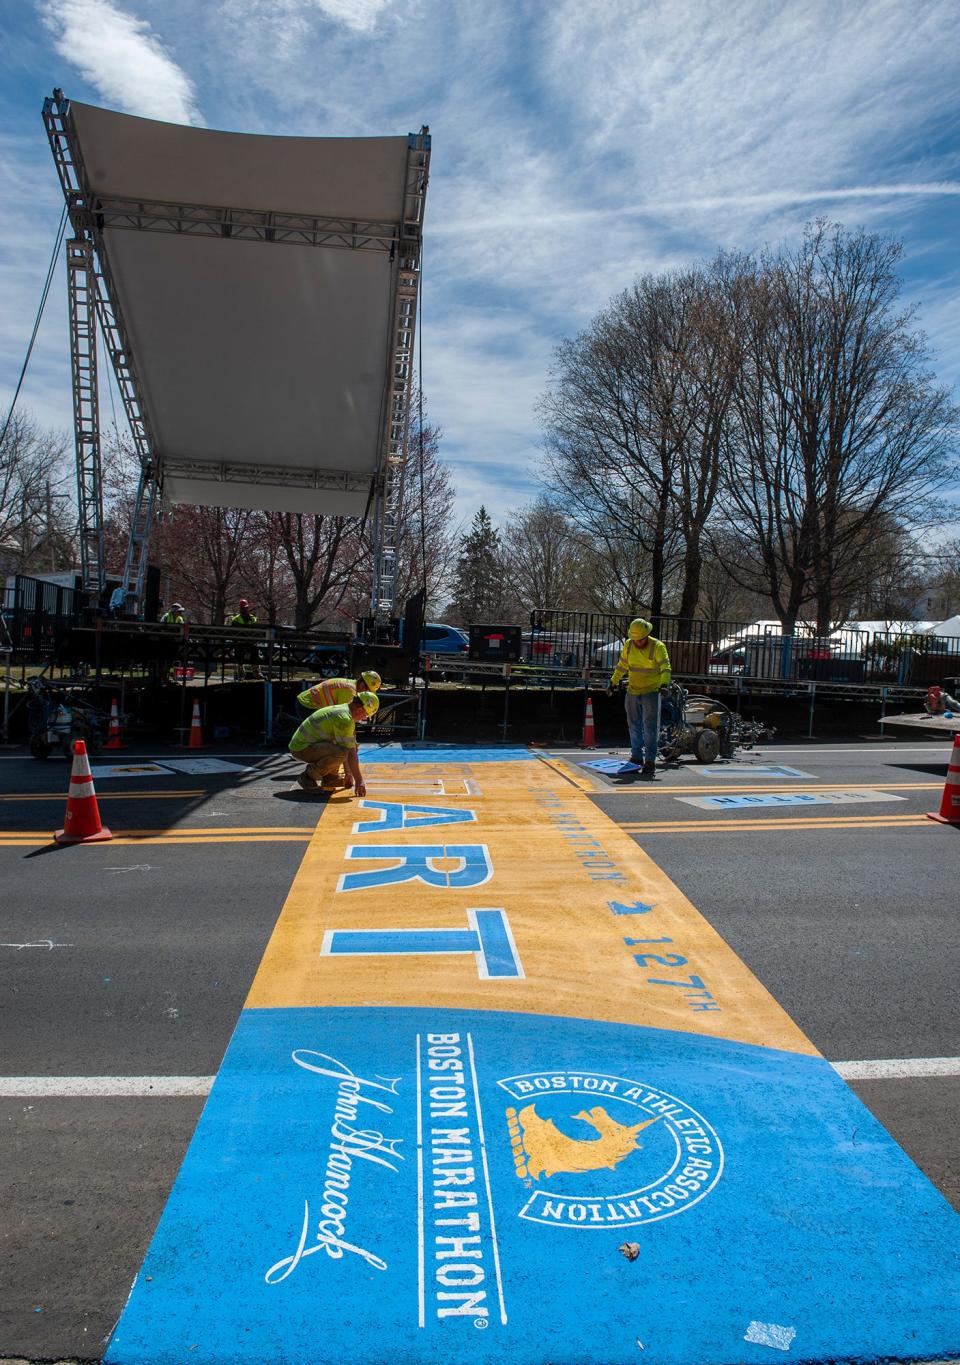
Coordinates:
<point>307,783</point>
<point>648,771</point>
<point>333,784</point>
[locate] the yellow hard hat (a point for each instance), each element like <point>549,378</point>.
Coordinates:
<point>370,703</point>
<point>639,629</point>
<point>373,680</point>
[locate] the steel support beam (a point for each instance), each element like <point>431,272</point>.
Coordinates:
<point>388,500</point>
<point>286,476</point>
<point>100,212</point>
<point>72,176</point>
<point>81,292</point>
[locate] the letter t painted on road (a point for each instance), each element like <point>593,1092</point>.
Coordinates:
<point>488,939</point>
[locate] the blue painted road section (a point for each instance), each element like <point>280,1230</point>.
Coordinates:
<point>414,1185</point>
<point>440,754</point>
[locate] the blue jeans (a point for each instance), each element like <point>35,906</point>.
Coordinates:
<point>643,722</point>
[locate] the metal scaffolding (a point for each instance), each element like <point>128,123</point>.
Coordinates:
<point>81,289</point>
<point>92,300</point>
<point>93,291</point>
<point>388,505</point>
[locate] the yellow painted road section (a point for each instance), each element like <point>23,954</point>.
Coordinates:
<point>601,932</point>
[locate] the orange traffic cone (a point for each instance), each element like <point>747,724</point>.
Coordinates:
<point>949,812</point>
<point>589,733</point>
<point>196,730</point>
<point>113,732</point>
<point>81,824</point>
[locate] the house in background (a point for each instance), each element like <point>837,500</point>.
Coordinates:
<point>935,603</point>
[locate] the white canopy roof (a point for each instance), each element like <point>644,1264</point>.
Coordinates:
<point>263,359</point>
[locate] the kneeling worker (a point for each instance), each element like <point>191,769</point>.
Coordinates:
<point>336,691</point>
<point>645,663</point>
<point>327,743</point>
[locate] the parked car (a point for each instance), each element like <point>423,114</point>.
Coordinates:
<point>728,661</point>
<point>441,639</point>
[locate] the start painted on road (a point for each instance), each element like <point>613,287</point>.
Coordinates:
<point>500,1093</point>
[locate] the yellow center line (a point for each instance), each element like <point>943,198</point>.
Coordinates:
<point>794,790</point>
<point>106,796</point>
<point>305,830</point>
<point>35,841</point>
<point>753,826</point>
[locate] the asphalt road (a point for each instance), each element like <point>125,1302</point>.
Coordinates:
<point>851,926</point>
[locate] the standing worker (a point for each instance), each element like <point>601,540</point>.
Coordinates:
<point>327,743</point>
<point>173,617</point>
<point>336,691</point>
<point>243,617</point>
<point>645,663</point>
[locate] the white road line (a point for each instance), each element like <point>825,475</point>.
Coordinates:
<point>421,1310</point>
<point>99,1087</point>
<point>174,1087</point>
<point>812,749</point>
<point>898,1068</point>
<point>486,1176</point>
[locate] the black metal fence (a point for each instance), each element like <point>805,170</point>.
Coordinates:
<point>38,616</point>
<point>577,639</point>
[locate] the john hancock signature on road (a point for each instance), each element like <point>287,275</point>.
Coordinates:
<point>349,1144</point>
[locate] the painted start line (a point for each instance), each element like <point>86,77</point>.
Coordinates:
<point>499,1093</point>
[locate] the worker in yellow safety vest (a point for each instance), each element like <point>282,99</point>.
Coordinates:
<point>173,617</point>
<point>327,743</point>
<point>245,654</point>
<point>336,691</point>
<point>645,664</point>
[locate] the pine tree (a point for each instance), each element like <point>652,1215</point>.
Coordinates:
<point>478,585</point>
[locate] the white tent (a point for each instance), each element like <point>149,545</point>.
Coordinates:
<point>267,296</point>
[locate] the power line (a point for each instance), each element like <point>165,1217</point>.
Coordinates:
<point>36,325</point>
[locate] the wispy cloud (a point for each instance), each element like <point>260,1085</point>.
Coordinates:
<point>361,15</point>
<point>122,58</point>
<point>577,144</point>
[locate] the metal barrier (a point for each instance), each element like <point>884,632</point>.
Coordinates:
<point>573,639</point>
<point>38,616</point>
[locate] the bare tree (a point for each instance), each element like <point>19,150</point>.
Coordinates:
<point>322,554</point>
<point>611,443</point>
<point>722,599</point>
<point>541,558</point>
<point>264,572</point>
<point>201,550</point>
<point>840,429</point>
<point>37,513</point>
<point>707,342</point>
<point>427,537</point>
<point>427,533</point>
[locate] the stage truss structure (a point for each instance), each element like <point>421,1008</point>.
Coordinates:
<point>95,301</point>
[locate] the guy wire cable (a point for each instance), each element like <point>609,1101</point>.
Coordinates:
<point>423,514</point>
<point>36,325</point>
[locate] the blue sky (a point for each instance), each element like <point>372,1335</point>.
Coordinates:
<point>576,144</point>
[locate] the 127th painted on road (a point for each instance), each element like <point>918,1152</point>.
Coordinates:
<point>487,935</point>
